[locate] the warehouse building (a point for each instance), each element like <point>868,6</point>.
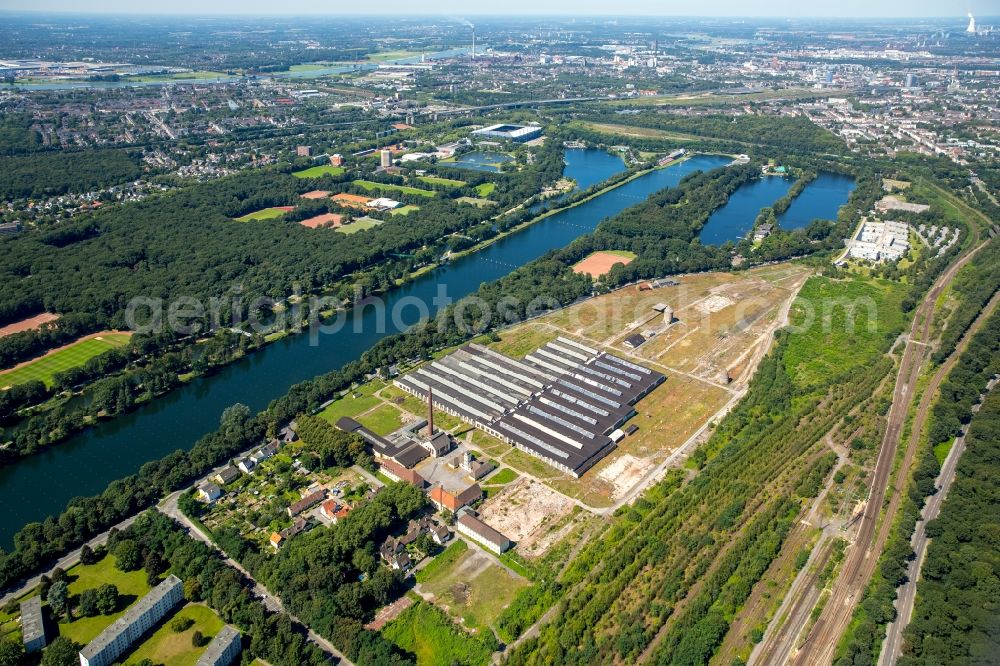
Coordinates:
<point>137,620</point>
<point>564,403</point>
<point>224,648</point>
<point>508,132</point>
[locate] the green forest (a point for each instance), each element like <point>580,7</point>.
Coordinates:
<point>955,618</point>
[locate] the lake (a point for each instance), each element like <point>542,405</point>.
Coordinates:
<point>733,220</point>
<point>821,199</point>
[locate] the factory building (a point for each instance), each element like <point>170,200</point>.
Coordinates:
<point>137,620</point>
<point>224,649</point>
<point>564,403</point>
<point>508,132</point>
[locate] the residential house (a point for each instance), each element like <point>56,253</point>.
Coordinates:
<point>209,492</point>
<point>444,499</point>
<point>227,475</point>
<point>307,502</point>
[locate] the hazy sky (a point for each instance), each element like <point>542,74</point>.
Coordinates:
<point>834,8</point>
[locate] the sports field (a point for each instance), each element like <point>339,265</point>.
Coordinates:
<point>437,180</point>
<point>404,210</point>
<point>29,324</point>
<point>371,185</point>
<point>360,224</point>
<point>598,264</point>
<point>319,171</point>
<point>265,214</point>
<point>485,189</point>
<point>70,356</point>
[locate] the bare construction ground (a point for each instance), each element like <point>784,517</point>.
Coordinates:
<point>524,510</point>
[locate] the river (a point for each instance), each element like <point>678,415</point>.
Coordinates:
<point>42,484</point>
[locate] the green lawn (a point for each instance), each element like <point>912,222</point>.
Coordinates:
<point>404,210</point>
<point>319,171</point>
<point>362,224</point>
<point>467,589</point>
<point>485,189</point>
<point>265,214</point>
<point>840,324</point>
<point>351,406</point>
<point>72,356</point>
<point>371,185</point>
<point>442,563</point>
<point>383,420</point>
<point>166,646</point>
<point>437,180</point>
<point>504,476</point>
<point>131,587</point>
<point>434,639</point>
<point>473,201</point>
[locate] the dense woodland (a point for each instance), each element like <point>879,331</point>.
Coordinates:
<point>955,619</point>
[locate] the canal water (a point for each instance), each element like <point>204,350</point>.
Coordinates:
<point>42,484</point>
<point>732,221</point>
<point>821,199</point>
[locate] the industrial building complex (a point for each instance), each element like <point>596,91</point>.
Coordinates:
<point>880,241</point>
<point>564,403</point>
<point>137,620</point>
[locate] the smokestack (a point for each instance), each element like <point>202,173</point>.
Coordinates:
<point>430,412</point>
<point>473,43</point>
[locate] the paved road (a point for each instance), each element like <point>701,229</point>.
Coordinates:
<point>169,508</point>
<point>907,593</point>
<point>863,556</point>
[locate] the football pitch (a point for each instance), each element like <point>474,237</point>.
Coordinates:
<point>64,358</point>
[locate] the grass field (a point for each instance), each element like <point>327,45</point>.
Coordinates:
<point>352,406</point>
<point>442,562</point>
<point>405,189</point>
<point>319,171</point>
<point>265,214</point>
<point>437,180</point>
<point>485,189</point>
<point>838,325</point>
<point>473,201</point>
<point>404,210</point>
<point>165,646</point>
<point>472,587</point>
<point>131,586</point>
<point>359,225</point>
<point>382,420</point>
<point>433,639</point>
<point>71,356</point>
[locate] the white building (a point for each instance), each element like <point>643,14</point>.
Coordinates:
<point>130,627</point>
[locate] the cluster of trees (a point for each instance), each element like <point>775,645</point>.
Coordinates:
<point>24,345</point>
<point>328,446</point>
<point>332,578</point>
<point>53,173</point>
<point>207,579</point>
<point>972,288</point>
<point>955,620</point>
<point>961,389</point>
